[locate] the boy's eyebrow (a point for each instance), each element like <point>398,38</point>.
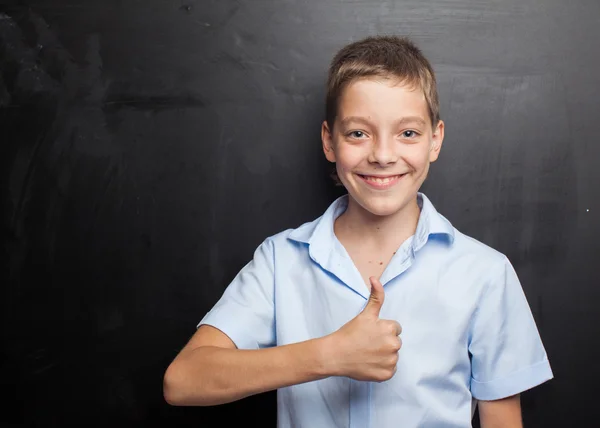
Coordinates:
<point>399,122</point>
<point>411,119</point>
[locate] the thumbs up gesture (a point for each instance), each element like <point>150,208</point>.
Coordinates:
<point>366,348</point>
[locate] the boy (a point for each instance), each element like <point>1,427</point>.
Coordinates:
<point>379,313</point>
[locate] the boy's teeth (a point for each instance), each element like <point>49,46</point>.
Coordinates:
<point>381,180</point>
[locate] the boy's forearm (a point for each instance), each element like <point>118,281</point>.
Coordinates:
<point>210,375</point>
<point>503,413</point>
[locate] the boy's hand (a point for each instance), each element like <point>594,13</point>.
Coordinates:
<point>366,348</point>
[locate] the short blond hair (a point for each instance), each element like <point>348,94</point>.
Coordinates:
<point>388,57</point>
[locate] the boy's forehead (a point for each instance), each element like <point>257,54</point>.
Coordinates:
<point>379,97</point>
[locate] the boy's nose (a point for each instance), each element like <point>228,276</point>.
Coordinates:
<point>383,152</point>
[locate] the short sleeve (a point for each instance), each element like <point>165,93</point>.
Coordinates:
<point>507,354</point>
<point>246,312</point>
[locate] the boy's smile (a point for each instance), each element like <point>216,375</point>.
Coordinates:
<point>381,182</point>
<point>382,143</point>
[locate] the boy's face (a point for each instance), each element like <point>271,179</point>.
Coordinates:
<point>382,143</point>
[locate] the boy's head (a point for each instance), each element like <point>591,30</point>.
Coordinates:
<point>386,57</point>
<point>382,126</point>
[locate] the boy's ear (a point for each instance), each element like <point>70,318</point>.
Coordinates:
<point>436,141</point>
<point>327,140</point>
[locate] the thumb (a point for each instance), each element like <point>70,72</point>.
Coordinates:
<point>376,298</point>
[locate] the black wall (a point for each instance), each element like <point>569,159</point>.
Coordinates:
<point>147,147</point>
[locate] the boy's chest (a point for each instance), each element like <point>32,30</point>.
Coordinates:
<point>433,306</point>
<point>369,262</point>
<point>370,266</point>
<point>433,309</point>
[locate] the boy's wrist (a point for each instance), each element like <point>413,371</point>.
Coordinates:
<point>326,354</point>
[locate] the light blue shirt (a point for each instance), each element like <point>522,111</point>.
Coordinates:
<point>468,332</point>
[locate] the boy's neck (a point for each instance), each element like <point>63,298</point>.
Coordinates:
<point>358,224</point>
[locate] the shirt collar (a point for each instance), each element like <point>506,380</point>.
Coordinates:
<point>320,232</point>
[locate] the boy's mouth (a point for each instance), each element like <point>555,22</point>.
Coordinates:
<point>381,182</point>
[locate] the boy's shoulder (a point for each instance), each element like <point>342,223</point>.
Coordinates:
<point>295,236</point>
<point>467,246</point>
<point>319,229</point>
<point>461,245</point>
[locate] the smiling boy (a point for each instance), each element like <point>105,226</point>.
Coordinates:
<point>379,313</point>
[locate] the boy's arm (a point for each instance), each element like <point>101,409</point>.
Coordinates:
<point>504,413</point>
<point>210,369</point>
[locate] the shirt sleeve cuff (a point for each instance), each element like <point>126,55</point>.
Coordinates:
<point>512,384</point>
<point>232,328</point>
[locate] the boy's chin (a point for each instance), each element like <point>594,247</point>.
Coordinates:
<point>382,207</point>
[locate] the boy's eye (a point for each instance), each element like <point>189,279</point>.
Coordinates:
<point>356,134</point>
<point>409,134</point>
